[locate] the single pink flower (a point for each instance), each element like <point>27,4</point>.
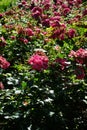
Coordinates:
<point>28,32</point>
<point>66,11</point>
<point>71,33</point>
<point>4,64</point>
<point>36,12</point>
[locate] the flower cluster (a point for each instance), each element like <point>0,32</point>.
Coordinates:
<point>38,62</point>
<point>43,65</point>
<point>4,64</point>
<point>80,56</point>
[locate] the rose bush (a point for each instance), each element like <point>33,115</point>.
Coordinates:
<point>43,65</point>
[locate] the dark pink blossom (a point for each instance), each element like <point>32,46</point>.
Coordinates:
<point>66,11</point>
<point>80,74</point>
<point>28,32</point>
<point>24,40</point>
<point>24,2</point>
<point>84,12</point>
<point>1,15</point>
<point>46,6</point>
<point>36,12</point>
<point>64,6</point>
<point>56,33</point>
<point>55,23</point>
<point>62,36</point>
<point>71,33</point>
<point>4,64</point>
<point>13,37</point>
<point>62,62</point>
<point>57,17</point>
<point>46,22</point>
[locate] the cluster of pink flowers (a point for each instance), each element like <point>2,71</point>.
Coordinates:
<point>60,31</point>
<point>80,56</point>
<point>26,31</point>
<point>4,64</point>
<point>25,34</point>
<point>38,62</point>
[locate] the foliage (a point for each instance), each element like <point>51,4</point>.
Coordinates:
<point>4,4</point>
<point>43,66</point>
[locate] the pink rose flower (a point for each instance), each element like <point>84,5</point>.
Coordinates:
<point>36,12</point>
<point>71,33</point>
<point>4,64</point>
<point>38,62</point>
<point>66,11</point>
<point>28,32</point>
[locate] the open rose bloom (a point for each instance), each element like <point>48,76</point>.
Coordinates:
<point>38,62</point>
<point>4,64</point>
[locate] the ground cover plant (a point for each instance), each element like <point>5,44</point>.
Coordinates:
<point>43,65</point>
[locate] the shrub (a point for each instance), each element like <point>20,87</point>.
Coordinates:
<point>43,66</point>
